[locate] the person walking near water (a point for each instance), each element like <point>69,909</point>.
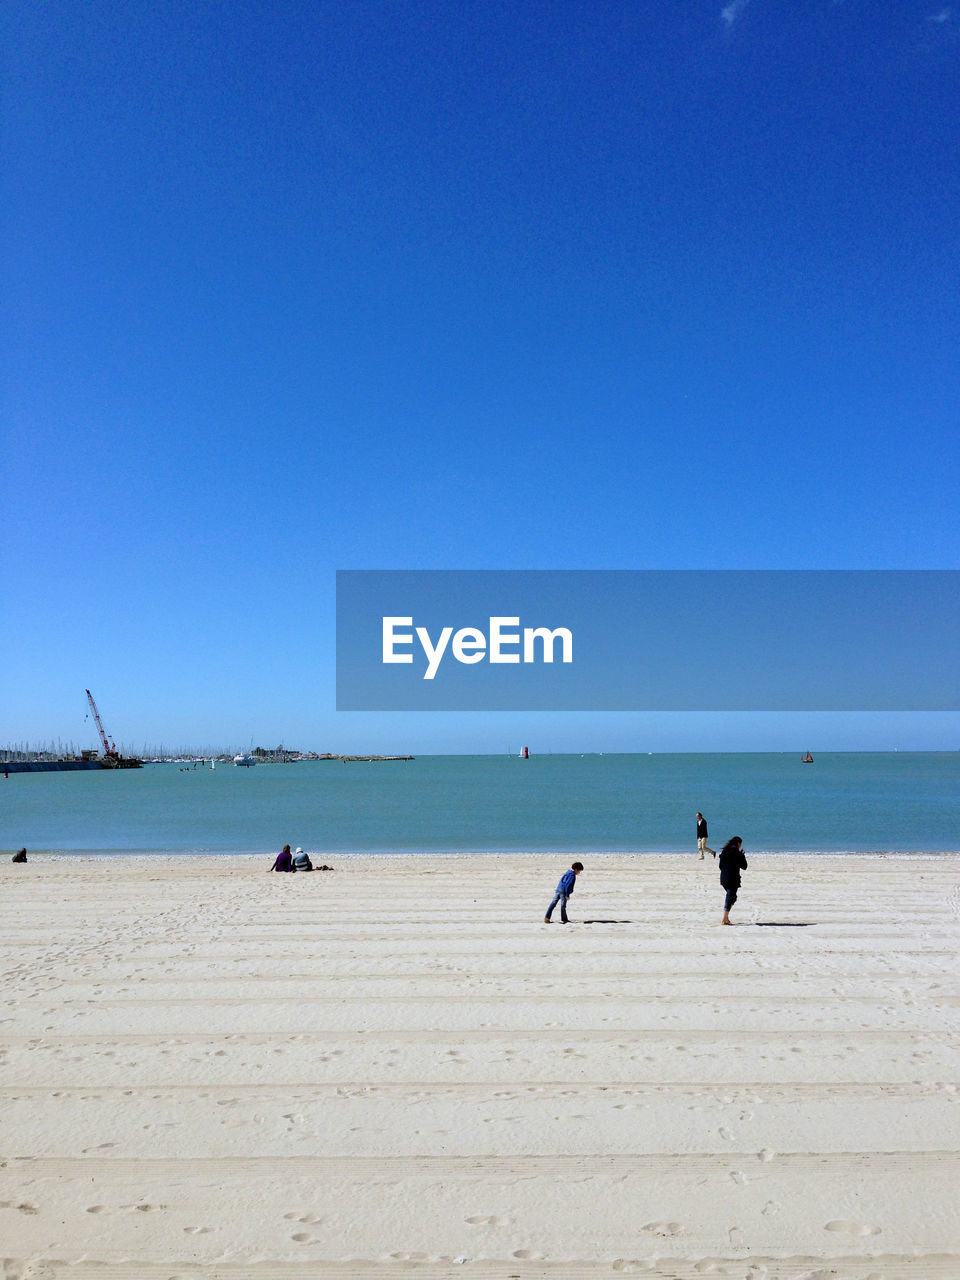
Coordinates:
<point>564,889</point>
<point>702,836</point>
<point>731,862</point>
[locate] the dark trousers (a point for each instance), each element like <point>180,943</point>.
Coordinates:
<point>731,896</point>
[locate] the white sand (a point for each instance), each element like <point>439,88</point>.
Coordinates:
<point>396,1068</point>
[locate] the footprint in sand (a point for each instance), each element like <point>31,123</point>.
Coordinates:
<point>739,1178</point>
<point>664,1228</point>
<point>480,1220</point>
<point>849,1228</point>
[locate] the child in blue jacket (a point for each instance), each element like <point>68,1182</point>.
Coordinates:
<point>564,890</point>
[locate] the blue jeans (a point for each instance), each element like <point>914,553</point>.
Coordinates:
<point>731,896</point>
<point>562,899</point>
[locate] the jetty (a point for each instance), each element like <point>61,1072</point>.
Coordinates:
<point>350,759</point>
<point>9,763</point>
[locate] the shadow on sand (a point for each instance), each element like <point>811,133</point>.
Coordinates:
<point>608,922</point>
<point>760,924</point>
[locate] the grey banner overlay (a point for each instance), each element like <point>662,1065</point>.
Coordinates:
<point>650,640</point>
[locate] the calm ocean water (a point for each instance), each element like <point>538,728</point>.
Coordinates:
<point>899,802</point>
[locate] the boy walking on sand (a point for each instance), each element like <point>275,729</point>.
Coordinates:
<point>564,890</point>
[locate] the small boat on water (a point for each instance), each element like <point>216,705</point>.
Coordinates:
<point>806,759</point>
<point>244,762</point>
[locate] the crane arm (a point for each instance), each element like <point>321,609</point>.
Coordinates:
<point>108,748</point>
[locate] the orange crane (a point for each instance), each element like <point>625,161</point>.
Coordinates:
<point>109,748</point>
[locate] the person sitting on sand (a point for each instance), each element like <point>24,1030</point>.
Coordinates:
<point>19,856</point>
<point>284,860</point>
<point>564,890</point>
<point>301,860</point>
<point>731,862</point>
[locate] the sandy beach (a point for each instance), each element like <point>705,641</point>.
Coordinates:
<point>396,1068</point>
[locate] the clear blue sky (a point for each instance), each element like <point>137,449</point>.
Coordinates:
<point>292,287</point>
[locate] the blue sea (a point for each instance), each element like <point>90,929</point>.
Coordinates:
<point>844,802</point>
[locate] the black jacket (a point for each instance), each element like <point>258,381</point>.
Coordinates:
<point>731,862</point>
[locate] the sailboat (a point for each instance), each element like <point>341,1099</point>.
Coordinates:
<point>806,759</point>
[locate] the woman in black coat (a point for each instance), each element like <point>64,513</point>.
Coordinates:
<point>731,862</point>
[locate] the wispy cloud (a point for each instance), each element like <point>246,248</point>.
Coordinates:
<point>943,16</point>
<point>731,12</point>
